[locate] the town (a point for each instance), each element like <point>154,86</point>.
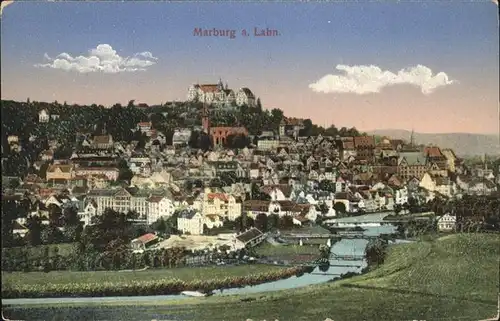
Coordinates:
<point>249,160</point>
<point>212,181</point>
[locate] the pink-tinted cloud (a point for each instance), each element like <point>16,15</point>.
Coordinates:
<point>103,58</point>
<point>372,79</point>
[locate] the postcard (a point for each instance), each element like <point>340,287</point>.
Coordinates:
<point>250,160</point>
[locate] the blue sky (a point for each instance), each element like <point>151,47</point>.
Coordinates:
<point>459,39</point>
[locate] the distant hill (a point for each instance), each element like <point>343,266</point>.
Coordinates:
<point>462,143</point>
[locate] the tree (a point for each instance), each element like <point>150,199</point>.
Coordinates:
<point>160,225</point>
<point>257,194</point>
<point>259,104</point>
<point>125,174</point>
<point>243,222</point>
<point>158,121</point>
<point>285,222</point>
<point>272,221</point>
<point>73,227</point>
<point>323,208</point>
<point>34,225</point>
<point>375,251</point>
<point>55,215</point>
<point>14,183</point>
<point>276,117</point>
<point>339,207</point>
<point>205,142</point>
<point>308,128</point>
<point>51,235</point>
<point>228,178</point>
<point>238,141</point>
<point>261,222</point>
<point>43,170</point>
<point>327,185</point>
<point>194,139</point>
<point>141,139</point>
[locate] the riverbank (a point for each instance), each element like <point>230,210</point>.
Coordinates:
<point>454,277</point>
<point>148,282</point>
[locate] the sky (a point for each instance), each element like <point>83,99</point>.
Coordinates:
<point>428,66</point>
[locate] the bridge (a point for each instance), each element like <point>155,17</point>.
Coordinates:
<point>355,236</point>
<point>309,236</point>
<point>345,265</point>
<point>345,235</point>
<point>347,257</point>
<point>325,273</point>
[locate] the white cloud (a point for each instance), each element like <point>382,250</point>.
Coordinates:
<point>371,79</point>
<point>4,4</point>
<point>103,58</point>
<point>146,54</point>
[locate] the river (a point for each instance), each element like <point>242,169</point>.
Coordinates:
<point>344,247</point>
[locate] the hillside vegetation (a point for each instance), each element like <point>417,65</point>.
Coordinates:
<point>451,278</point>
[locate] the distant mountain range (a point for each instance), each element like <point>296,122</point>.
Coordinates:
<point>463,144</point>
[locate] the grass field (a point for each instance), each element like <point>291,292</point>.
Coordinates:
<point>452,278</point>
<point>185,274</point>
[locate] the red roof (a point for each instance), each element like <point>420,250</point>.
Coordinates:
<point>208,88</point>
<point>221,196</point>
<point>144,124</point>
<point>146,238</point>
<point>432,151</point>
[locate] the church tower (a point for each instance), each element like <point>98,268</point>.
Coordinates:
<point>220,85</point>
<point>205,119</point>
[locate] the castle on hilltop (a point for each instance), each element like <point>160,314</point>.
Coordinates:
<point>220,95</point>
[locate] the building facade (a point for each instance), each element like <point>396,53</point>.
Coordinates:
<point>218,94</point>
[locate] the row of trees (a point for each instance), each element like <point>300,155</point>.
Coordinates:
<point>376,251</point>
<point>101,246</point>
<point>115,258</point>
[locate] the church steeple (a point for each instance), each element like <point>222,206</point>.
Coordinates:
<point>220,85</point>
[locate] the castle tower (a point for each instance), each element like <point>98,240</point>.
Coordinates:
<point>205,119</point>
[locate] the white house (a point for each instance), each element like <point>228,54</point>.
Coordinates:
<point>213,221</point>
<point>19,229</point>
<point>181,137</point>
<point>275,192</point>
<point>145,127</point>
<point>190,221</point>
<point>442,185</point>
<point>89,211</point>
<point>158,207</point>
<point>331,212</point>
<point>268,144</point>
<point>447,222</point>
<point>340,185</point>
<point>401,196</point>
<point>221,204</point>
<point>245,97</point>
<point>43,116</point>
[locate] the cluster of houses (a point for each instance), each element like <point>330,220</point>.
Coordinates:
<point>304,177</point>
